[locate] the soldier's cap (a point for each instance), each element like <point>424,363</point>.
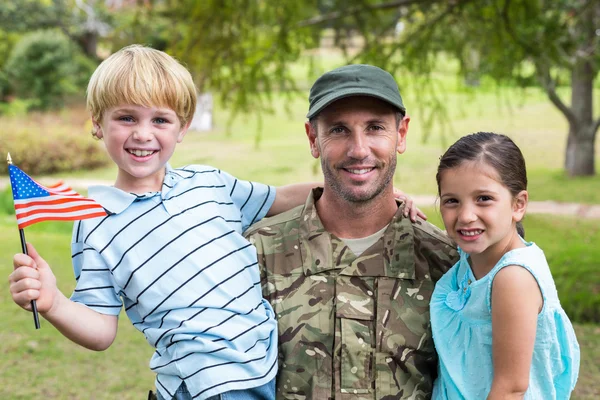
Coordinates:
<point>353,80</point>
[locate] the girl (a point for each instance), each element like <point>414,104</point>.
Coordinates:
<point>497,323</point>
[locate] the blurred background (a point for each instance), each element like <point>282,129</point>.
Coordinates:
<point>525,68</point>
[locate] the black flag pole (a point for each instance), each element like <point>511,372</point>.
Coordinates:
<point>36,318</point>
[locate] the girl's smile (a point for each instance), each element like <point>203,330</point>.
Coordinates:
<point>479,212</point>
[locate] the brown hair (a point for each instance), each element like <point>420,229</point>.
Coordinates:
<point>496,150</point>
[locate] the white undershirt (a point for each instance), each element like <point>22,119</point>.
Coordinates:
<point>358,246</point>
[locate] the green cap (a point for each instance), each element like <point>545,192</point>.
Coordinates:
<point>353,80</point>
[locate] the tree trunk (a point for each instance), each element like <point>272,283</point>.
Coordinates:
<point>89,44</point>
<point>579,156</point>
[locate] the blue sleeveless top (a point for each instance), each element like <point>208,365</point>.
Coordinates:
<point>461,321</point>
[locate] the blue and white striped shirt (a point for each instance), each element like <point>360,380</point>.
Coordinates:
<point>189,281</point>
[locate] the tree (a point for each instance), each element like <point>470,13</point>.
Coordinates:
<point>243,49</point>
<point>83,21</point>
<point>45,67</point>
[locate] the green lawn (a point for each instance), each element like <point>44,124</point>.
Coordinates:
<point>44,364</point>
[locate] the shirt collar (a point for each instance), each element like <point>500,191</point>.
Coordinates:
<point>115,200</point>
<point>392,255</point>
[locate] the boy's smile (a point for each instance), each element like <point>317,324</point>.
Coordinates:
<point>140,140</point>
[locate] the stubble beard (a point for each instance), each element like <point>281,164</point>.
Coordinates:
<point>362,197</point>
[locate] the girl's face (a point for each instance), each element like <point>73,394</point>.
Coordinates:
<point>479,212</point>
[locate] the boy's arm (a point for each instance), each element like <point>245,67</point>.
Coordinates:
<point>82,325</point>
<point>290,196</point>
<point>516,303</point>
<point>32,279</point>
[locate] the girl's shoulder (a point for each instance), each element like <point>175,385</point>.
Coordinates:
<point>530,257</point>
<point>533,259</point>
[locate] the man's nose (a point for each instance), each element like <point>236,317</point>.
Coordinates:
<point>358,147</point>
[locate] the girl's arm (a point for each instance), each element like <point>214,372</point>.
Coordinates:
<point>32,279</point>
<point>290,196</point>
<point>516,303</point>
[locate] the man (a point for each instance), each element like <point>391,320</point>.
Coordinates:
<point>349,277</point>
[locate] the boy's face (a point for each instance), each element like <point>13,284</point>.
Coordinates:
<point>140,140</point>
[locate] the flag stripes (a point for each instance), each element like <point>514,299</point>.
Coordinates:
<point>35,202</point>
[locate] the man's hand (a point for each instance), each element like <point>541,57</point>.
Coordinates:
<point>410,208</point>
<point>32,279</point>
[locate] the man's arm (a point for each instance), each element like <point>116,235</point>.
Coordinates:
<point>32,279</point>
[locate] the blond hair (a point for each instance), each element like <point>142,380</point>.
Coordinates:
<point>142,76</point>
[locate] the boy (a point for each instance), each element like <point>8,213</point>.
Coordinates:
<point>171,249</point>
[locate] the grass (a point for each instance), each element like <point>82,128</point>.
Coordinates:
<point>41,363</point>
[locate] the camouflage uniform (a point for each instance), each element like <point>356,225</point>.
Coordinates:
<point>351,327</point>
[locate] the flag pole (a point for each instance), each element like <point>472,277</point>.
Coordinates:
<point>36,318</point>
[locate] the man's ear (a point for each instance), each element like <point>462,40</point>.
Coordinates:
<point>402,132</point>
<point>520,205</point>
<point>312,139</point>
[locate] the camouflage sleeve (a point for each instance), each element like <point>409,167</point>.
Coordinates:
<point>437,248</point>
<point>254,238</point>
<point>443,265</point>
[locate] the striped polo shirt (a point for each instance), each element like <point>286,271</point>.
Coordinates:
<point>177,262</point>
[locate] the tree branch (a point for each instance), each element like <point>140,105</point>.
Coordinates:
<point>549,86</point>
<point>511,32</point>
<point>596,125</point>
<point>541,66</point>
<point>332,16</point>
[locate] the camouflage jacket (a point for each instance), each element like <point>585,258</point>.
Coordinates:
<point>351,327</point>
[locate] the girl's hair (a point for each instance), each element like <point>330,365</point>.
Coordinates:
<point>142,76</point>
<point>495,150</point>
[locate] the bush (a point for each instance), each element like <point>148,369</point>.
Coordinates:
<point>46,66</point>
<point>44,143</point>
<point>49,153</point>
<point>16,108</point>
<point>4,85</point>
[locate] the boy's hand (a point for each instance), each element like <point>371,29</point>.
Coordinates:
<point>32,279</point>
<point>410,208</point>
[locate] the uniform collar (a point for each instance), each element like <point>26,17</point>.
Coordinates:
<point>392,255</point>
<point>115,201</point>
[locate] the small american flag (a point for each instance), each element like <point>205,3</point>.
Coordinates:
<point>36,203</point>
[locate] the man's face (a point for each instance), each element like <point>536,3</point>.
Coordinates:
<point>357,139</point>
